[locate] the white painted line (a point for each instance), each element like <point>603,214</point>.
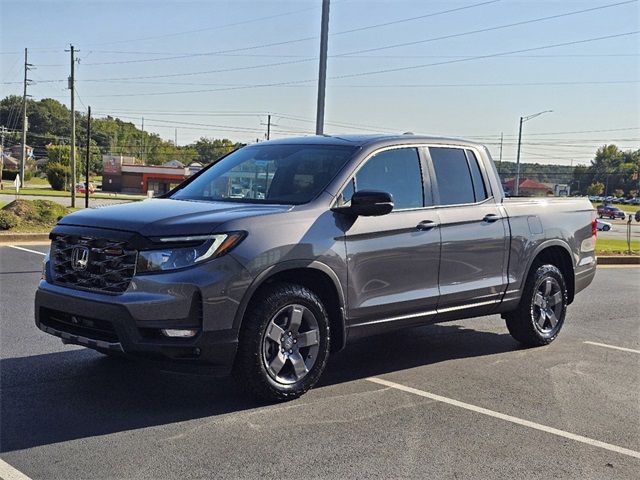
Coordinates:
<point>7,472</point>
<point>27,250</point>
<point>623,349</point>
<point>508,418</point>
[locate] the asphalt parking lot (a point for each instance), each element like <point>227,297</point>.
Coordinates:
<point>457,400</point>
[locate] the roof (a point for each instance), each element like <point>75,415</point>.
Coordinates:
<point>358,140</point>
<point>526,183</point>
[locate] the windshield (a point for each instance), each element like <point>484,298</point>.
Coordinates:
<point>285,174</point>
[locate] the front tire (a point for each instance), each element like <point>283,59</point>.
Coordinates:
<point>542,309</point>
<point>606,228</point>
<point>284,343</point>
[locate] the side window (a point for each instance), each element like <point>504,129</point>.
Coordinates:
<point>452,175</point>
<point>397,172</point>
<point>479,188</point>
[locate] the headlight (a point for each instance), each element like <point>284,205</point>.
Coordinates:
<point>183,252</point>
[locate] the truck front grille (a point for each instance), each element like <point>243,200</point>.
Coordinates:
<point>89,263</point>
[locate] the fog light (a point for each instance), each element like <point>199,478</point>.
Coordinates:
<point>179,333</point>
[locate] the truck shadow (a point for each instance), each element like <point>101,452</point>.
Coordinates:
<point>77,394</point>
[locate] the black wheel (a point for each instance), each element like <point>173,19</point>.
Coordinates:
<point>543,306</point>
<point>606,228</point>
<point>284,343</point>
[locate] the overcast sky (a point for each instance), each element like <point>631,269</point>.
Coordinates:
<point>398,74</point>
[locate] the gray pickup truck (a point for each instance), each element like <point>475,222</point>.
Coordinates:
<point>273,257</point>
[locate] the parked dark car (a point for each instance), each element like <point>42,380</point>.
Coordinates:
<point>334,238</point>
<point>638,216</point>
<point>610,212</point>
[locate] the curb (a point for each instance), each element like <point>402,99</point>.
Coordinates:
<point>619,260</point>
<point>24,238</point>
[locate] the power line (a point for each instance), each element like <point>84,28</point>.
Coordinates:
<point>490,29</point>
<point>481,57</point>
<point>217,27</point>
<point>472,32</point>
<point>377,72</point>
<point>297,40</point>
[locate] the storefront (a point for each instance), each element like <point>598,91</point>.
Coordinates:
<point>132,178</point>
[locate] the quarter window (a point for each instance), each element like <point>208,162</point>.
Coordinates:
<point>479,188</point>
<point>395,171</point>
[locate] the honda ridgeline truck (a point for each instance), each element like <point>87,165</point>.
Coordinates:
<point>275,256</point>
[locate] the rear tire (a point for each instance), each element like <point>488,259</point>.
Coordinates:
<point>542,309</point>
<point>284,343</point>
<point>606,228</point>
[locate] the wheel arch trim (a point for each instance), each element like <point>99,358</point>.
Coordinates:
<point>273,270</point>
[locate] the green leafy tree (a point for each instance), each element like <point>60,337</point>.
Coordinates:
<point>209,150</point>
<point>595,189</point>
<point>58,176</point>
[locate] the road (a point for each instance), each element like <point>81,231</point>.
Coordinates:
<point>457,400</point>
<point>619,230</point>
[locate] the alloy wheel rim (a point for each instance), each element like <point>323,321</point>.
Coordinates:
<point>290,344</point>
<point>547,305</point>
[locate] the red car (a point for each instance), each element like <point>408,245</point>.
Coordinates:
<point>610,212</point>
<point>81,187</point>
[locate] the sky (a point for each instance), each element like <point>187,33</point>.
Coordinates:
<point>462,68</point>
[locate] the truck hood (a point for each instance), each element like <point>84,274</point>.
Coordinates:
<point>167,217</point>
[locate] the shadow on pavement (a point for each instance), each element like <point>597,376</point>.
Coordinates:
<point>77,394</point>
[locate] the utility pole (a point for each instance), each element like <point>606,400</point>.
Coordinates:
<point>500,162</point>
<point>142,143</point>
<point>175,142</point>
<point>322,73</point>
<point>72,153</point>
<point>2,130</point>
<point>268,127</point>
<point>23,159</point>
<point>86,167</point>
<point>522,120</point>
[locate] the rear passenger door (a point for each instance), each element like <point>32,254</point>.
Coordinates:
<point>393,259</point>
<point>474,234</point>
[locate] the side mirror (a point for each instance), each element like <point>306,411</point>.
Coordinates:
<point>368,203</point>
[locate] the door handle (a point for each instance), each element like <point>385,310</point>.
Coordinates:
<point>491,217</point>
<point>426,225</point>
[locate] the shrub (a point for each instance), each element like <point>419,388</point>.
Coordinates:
<point>36,212</point>
<point>8,220</point>
<point>57,174</point>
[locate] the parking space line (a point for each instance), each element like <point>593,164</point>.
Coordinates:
<point>27,250</point>
<point>7,472</point>
<point>623,349</point>
<point>508,418</point>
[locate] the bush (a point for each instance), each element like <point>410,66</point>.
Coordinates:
<point>36,212</point>
<point>57,174</point>
<point>8,220</point>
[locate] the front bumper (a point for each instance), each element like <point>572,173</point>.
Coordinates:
<point>203,298</point>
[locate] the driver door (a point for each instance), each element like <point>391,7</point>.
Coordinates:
<point>393,259</point>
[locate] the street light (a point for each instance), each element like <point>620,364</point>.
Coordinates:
<point>522,120</point>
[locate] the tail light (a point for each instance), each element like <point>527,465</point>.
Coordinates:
<point>594,225</point>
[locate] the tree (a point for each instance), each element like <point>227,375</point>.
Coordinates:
<point>209,150</point>
<point>595,189</point>
<point>58,175</point>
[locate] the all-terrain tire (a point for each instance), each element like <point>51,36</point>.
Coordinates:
<point>538,320</point>
<point>252,368</point>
